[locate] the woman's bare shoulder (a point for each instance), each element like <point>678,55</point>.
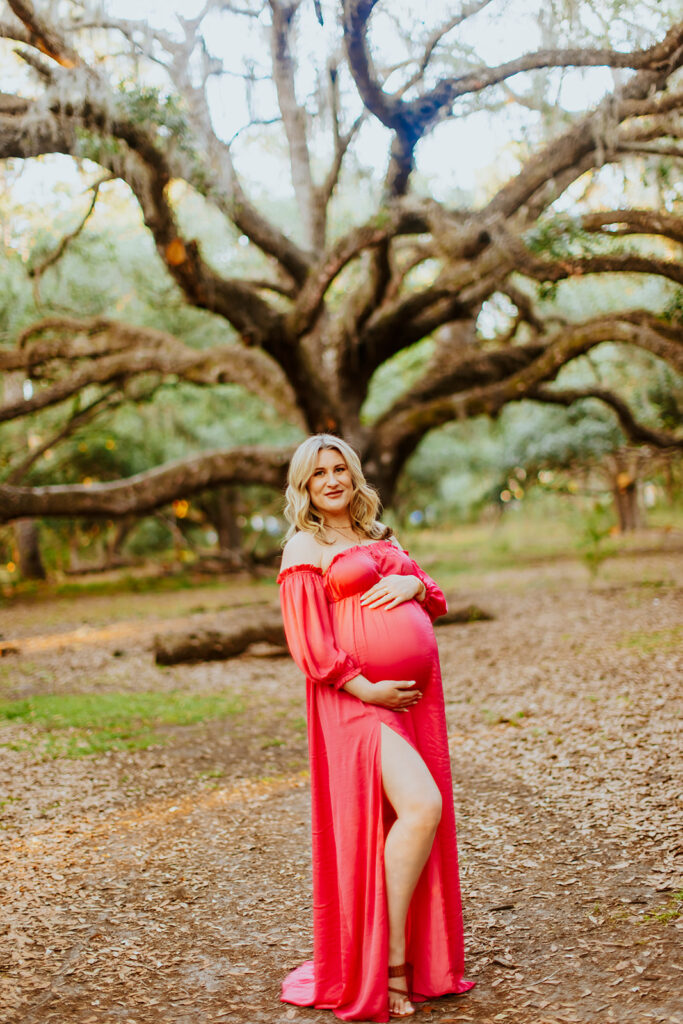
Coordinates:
<point>392,538</point>
<point>301,549</point>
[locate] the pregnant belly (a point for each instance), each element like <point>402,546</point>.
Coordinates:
<point>394,644</point>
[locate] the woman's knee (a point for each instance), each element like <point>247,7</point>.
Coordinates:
<point>433,807</point>
<point>424,811</point>
<point>408,784</point>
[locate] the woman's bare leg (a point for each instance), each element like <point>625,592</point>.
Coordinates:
<point>415,797</point>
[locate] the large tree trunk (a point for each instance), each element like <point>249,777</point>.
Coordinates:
<point>227,527</point>
<point>27,538</point>
<point>626,502</point>
<point>623,472</point>
<point>221,508</point>
<point>112,555</point>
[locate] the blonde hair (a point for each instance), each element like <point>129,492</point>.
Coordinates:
<point>364,507</point>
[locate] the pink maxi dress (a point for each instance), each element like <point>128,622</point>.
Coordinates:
<point>333,638</point>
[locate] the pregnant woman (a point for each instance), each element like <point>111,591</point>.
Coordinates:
<point>358,614</point>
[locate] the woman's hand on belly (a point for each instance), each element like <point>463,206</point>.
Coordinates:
<point>391,591</point>
<point>396,694</point>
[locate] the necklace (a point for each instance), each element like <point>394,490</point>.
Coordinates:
<point>340,529</point>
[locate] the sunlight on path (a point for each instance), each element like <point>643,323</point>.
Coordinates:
<point>154,813</point>
<point>92,635</point>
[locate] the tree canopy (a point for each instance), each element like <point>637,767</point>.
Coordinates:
<point>350,270</point>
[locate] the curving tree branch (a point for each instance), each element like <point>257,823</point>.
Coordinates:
<point>102,352</point>
<point>44,35</point>
<point>318,317</point>
<point>400,429</point>
<point>36,270</point>
<point>569,266</point>
<point>411,120</point>
<point>294,120</point>
<point>583,146</point>
<point>634,222</point>
<point>144,167</point>
<point>109,400</point>
<point>436,37</point>
<point>436,103</point>
<point>145,492</point>
<point>637,432</point>
<point>312,296</point>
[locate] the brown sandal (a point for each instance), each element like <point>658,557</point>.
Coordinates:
<point>400,971</point>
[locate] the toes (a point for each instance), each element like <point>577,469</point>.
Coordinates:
<point>402,1008</point>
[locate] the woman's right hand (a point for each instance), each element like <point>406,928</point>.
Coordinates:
<point>395,694</point>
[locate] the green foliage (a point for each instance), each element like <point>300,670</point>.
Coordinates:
<point>159,420</point>
<point>670,911</point>
<point>394,377</point>
<point>147,105</point>
<point>96,147</point>
<point>673,312</point>
<point>540,436</point>
<point>594,543</point>
<point>665,394</point>
<point>547,291</point>
<point>560,237</point>
<point>160,114</point>
<point>463,467</point>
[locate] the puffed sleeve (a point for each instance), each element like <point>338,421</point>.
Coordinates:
<point>435,602</point>
<point>308,628</point>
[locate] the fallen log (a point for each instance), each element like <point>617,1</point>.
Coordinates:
<point>263,625</point>
<point>469,613</point>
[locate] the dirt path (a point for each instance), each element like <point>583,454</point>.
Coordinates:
<point>147,887</point>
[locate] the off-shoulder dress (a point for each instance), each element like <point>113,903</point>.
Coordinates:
<point>332,638</point>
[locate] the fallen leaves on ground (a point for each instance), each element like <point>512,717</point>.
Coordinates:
<point>173,884</point>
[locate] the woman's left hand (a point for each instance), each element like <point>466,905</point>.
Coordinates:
<point>391,591</point>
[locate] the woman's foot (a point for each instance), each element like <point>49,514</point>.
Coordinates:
<point>399,994</point>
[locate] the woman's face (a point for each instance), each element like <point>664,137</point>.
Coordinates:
<point>330,486</point>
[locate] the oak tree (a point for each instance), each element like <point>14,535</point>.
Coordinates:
<point>361,273</point>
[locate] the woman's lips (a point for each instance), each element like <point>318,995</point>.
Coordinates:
<point>333,494</point>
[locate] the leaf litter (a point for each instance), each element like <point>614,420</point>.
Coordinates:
<point>173,884</point>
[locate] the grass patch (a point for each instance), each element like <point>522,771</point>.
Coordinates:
<point>545,530</point>
<point>76,725</point>
<point>669,912</point>
<point>650,641</point>
<point>511,542</point>
<point>213,773</point>
<point>126,583</point>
